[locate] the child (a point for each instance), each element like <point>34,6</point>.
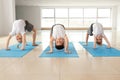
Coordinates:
<point>96,30</point>
<point>58,35</point>
<point>19,29</point>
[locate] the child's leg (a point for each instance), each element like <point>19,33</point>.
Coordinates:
<point>51,31</point>
<point>89,32</point>
<point>34,37</point>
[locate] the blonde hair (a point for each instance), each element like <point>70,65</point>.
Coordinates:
<point>19,38</point>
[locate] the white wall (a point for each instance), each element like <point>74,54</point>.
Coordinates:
<point>118,18</point>
<point>114,17</point>
<point>0,17</point>
<point>7,16</point>
<point>67,2</point>
<point>30,13</point>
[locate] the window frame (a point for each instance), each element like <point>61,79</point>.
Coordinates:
<point>79,17</point>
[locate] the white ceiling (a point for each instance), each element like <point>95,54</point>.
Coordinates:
<point>68,2</point>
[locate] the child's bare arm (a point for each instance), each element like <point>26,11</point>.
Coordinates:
<point>87,37</point>
<point>105,38</point>
<point>7,43</point>
<point>66,43</point>
<point>23,42</point>
<point>94,42</point>
<point>51,45</point>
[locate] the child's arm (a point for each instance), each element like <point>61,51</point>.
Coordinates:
<point>105,38</point>
<point>66,44</point>
<point>23,42</point>
<point>94,42</point>
<point>51,45</point>
<point>7,43</point>
<point>87,37</point>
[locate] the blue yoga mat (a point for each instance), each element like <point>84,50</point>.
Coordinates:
<point>101,51</point>
<point>60,53</point>
<point>16,52</point>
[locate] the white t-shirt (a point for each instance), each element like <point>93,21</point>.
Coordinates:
<point>98,29</point>
<point>58,31</point>
<point>18,27</point>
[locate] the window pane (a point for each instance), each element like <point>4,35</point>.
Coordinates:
<point>47,12</point>
<point>61,12</point>
<point>62,21</point>
<point>75,23</point>
<point>47,23</point>
<point>76,12</point>
<point>88,22</point>
<point>91,12</point>
<point>78,17</point>
<point>105,22</point>
<point>103,12</point>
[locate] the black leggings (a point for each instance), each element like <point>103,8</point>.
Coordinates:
<point>90,30</point>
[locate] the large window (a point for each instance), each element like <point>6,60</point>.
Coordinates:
<point>75,17</point>
<point>104,17</point>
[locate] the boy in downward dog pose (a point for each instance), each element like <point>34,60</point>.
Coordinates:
<point>19,29</point>
<point>58,35</point>
<point>96,30</point>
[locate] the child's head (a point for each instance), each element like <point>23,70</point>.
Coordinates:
<point>59,43</point>
<point>19,38</point>
<point>99,39</point>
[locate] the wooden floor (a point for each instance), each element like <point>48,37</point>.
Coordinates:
<point>86,67</point>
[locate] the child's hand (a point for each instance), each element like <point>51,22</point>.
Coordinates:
<point>22,48</point>
<point>67,51</point>
<point>94,47</point>
<point>49,52</point>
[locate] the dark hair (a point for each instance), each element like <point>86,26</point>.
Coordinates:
<point>59,47</point>
<point>99,43</point>
<point>26,22</point>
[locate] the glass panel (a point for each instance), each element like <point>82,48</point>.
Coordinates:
<point>47,23</point>
<point>106,22</point>
<point>47,12</point>
<point>91,12</point>
<point>75,12</point>
<point>103,12</point>
<point>61,12</point>
<point>88,22</point>
<point>75,17</point>
<point>62,21</point>
<point>75,23</point>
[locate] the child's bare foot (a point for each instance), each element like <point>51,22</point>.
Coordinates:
<point>85,44</point>
<point>108,46</point>
<point>7,49</point>
<point>35,45</point>
<point>49,52</point>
